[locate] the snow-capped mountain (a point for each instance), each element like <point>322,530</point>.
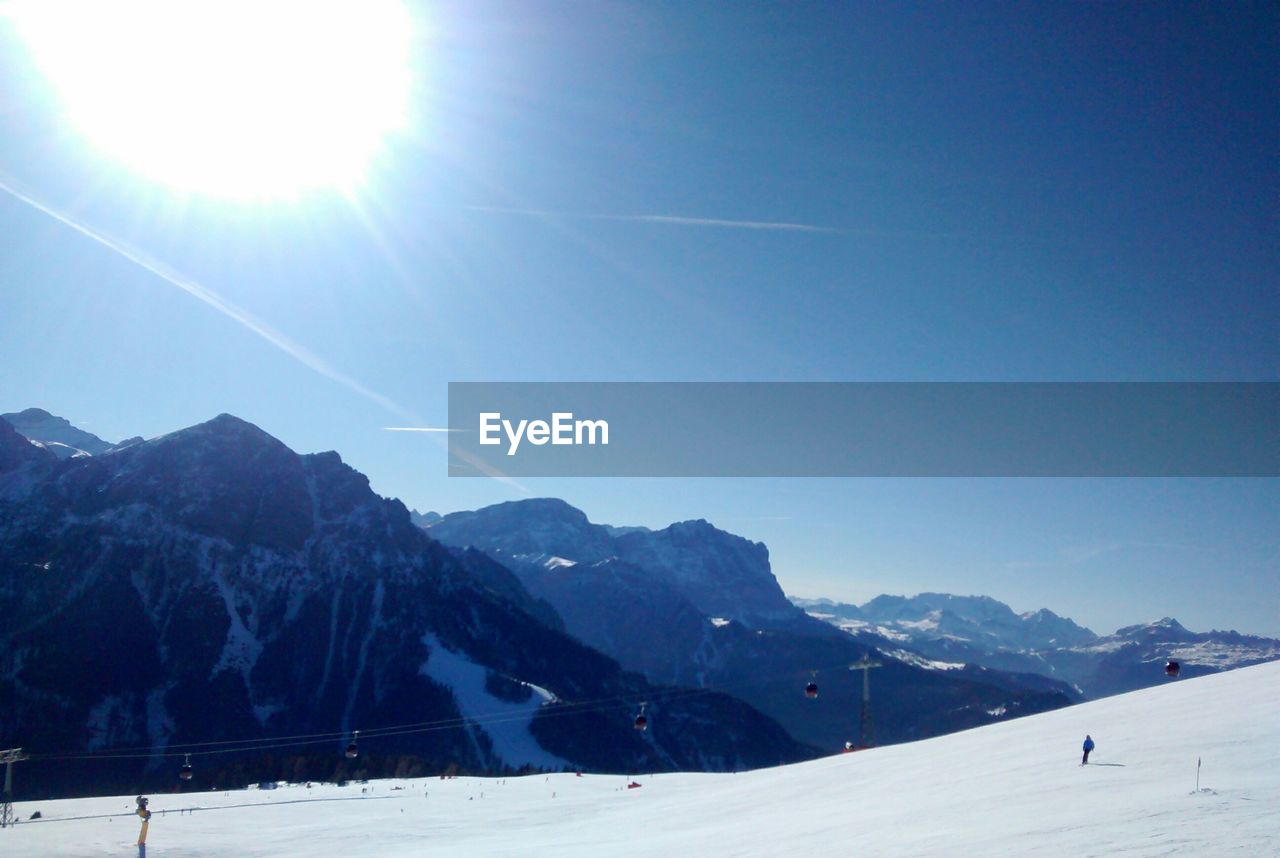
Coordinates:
<point>57,435</point>
<point>1133,656</point>
<point>974,619</point>
<point>692,605</point>
<point>979,630</point>
<point>213,585</point>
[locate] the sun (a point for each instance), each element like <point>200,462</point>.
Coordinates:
<point>226,97</point>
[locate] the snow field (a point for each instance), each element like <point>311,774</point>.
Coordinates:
<point>1014,788</point>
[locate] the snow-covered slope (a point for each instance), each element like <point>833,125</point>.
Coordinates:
<point>1014,788</point>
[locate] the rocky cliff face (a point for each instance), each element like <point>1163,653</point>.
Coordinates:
<point>213,585</point>
<point>718,573</point>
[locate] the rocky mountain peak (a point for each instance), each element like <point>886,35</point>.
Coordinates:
<point>1163,627</point>
<point>57,433</point>
<point>16,450</point>
<point>33,414</point>
<point>532,526</point>
<point>722,574</point>
<point>545,509</point>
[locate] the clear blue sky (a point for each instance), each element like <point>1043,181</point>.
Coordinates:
<point>1071,191</point>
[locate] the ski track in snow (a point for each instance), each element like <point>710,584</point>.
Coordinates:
<point>506,723</point>
<point>1010,789</point>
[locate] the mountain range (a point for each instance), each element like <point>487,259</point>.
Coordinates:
<point>213,586</point>
<point>950,630</point>
<point>692,605</point>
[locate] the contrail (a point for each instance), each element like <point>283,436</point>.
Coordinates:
<point>678,220</point>
<point>294,350</point>
<point>466,457</point>
<point>718,223</point>
<point>728,224</point>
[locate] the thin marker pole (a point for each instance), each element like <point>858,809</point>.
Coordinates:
<point>146,823</point>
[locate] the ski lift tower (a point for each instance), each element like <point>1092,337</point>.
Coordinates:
<point>8,757</point>
<point>866,732</point>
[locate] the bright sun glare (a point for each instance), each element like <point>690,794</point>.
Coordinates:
<point>228,97</point>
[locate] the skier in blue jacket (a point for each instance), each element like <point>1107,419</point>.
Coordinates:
<point>1088,746</point>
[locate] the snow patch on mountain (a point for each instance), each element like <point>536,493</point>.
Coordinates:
<point>62,451</point>
<point>854,627</point>
<point>909,657</point>
<point>505,723</point>
<point>241,649</point>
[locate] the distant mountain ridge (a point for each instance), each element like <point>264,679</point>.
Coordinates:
<point>57,435</point>
<point>973,616</point>
<point>692,605</point>
<point>981,630</point>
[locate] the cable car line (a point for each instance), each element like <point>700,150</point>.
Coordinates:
<point>551,709</point>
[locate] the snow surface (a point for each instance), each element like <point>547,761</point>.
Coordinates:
<point>1220,655</point>
<point>506,723</point>
<point>1013,788</point>
<point>906,655</point>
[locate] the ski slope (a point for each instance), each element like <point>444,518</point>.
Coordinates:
<point>1014,788</point>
